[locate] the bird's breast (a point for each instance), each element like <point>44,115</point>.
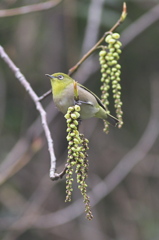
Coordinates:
<point>87,103</point>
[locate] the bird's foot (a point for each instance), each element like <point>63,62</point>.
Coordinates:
<point>79,102</point>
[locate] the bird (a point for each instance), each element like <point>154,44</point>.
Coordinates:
<point>64,96</point>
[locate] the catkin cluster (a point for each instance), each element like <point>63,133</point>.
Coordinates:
<point>111,71</point>
<point>77,158</point>
<point>82,174</point>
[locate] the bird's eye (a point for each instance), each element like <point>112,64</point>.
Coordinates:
<point>60,77</point>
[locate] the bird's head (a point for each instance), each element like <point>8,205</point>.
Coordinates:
<point>59,81</point>
<point>59,77</point>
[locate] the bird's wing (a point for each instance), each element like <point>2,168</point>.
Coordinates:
<point>98,100</point>
<point>112,120</point>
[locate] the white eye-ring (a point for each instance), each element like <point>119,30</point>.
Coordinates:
<point>60,77</point>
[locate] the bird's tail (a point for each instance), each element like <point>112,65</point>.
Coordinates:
<point>112,120</point>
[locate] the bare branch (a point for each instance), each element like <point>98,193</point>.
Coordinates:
<point>45,95</point>
<point>29,8</point>
<point>38,105</point>
<point>120,20</point>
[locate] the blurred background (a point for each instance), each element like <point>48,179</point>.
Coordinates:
<point>123,165</point>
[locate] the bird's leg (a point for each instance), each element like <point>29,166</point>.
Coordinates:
<point>76,96</point>
<point>79,102</point>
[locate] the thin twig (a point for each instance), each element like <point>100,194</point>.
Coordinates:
<point>45,95</point>
<point>38,105</point>
<point>120,20</point>
<point>29,8</point>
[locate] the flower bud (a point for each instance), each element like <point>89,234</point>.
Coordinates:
<point>72,125</point>
<point>102,53</point>
<point>73,115</point>
<point>67,115</point>
<point>77,108</point>
<point>108,37</point>
<point>112,41</point>
<point>116,35</point>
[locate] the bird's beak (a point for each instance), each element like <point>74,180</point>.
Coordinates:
<point>50,76</point>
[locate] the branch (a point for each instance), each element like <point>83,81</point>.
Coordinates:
<point>45,95</point>
<point>38,105</point>
<point>121,19</point>
<point>28,9</point>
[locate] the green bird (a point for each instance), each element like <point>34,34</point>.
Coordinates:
<point>64,96</point>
